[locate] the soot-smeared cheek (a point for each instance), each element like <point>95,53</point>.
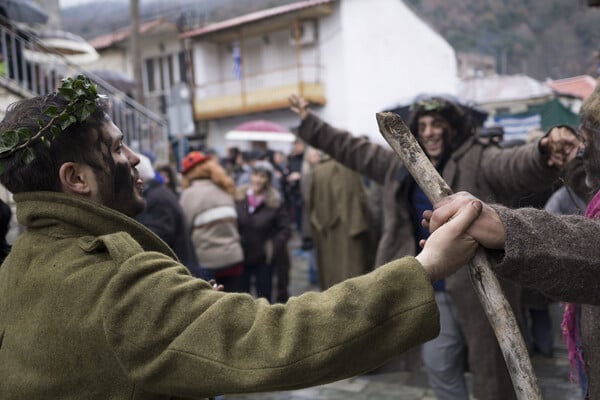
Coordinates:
<point>123,182</point>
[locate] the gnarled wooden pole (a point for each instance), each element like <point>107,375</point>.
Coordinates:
<point>487,287</point>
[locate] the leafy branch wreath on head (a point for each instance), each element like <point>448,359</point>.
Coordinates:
<point>81,94</point>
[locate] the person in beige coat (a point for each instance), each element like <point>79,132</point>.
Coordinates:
<point>96,306</point>
<point>207,202</point>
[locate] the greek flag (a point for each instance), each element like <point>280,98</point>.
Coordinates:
<point>237,60</point>
<point>516,127</point>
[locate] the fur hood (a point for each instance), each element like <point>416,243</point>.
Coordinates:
<point>272,197</point>
<point>193,174</point>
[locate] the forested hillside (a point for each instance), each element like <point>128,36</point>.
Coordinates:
<point>541,38</point>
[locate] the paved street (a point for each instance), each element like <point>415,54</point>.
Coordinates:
<point>389,382</point>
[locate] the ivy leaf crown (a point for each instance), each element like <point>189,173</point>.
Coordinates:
<point>82,96</point>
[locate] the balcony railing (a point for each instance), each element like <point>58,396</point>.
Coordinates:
<point>143,129</point>
<point>265,91</point>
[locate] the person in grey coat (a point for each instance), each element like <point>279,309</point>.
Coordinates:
<point>446,133</point>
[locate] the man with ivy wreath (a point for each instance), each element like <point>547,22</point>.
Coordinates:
<point>95,306</point>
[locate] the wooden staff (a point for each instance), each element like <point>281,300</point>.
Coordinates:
<point>487,287</point>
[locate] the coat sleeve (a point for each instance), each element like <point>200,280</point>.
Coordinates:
<point>556,254</point>
<point>172,334</point>
<point>517,169</point>
<point>358,154</point>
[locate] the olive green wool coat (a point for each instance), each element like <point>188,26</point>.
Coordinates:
<point>94,306</point>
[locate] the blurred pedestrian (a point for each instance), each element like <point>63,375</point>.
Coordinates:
<point>312,157</point>
<point>264,228</point>
<point>169,177</point>
<point>294,193</point>
<point>343,231</point>
<point>163,216</point>
<point>207,202</point>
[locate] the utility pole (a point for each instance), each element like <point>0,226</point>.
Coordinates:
<point>136,54</point>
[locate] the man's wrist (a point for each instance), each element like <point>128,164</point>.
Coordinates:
<point>425,264</point>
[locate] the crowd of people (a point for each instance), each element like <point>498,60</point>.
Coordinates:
<point>134,281</point>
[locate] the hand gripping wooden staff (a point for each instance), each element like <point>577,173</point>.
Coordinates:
<point>487,287</point>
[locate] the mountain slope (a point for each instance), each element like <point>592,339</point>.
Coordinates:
<point>542,38</point>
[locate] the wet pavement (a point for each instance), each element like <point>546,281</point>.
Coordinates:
<point>393,382</point>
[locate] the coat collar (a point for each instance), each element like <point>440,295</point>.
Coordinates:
<point>272,197</point>
<point>67,215</point>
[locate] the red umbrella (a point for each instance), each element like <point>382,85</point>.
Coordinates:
<point>260,130</point>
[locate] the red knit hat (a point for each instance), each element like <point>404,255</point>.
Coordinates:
<point>192,159</point>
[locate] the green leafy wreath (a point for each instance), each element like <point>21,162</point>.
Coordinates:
<point>81,94</point>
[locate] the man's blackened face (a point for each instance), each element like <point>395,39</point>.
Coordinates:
<point>591,157</point>
<point>119,186</point>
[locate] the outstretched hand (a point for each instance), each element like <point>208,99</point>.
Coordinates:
<point>561,145</point>
<point>450,247</point>
<point>299,105</point>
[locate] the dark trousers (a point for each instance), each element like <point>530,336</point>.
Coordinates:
<point>230,283</point>
<point>282,265</point>
<point>263,276</point>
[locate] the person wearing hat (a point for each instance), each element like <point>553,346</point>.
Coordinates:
<point>264,226</point>
<point>207,202</point>
<point>446,132</point>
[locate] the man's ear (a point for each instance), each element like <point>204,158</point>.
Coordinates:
<point>75,178</point>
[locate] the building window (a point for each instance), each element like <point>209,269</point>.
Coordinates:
<point>150,75</point>
<point>182,67</point>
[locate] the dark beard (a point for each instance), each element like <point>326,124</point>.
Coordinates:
<point>591,164</point>
<point>121,195</point>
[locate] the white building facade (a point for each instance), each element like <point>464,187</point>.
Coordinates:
<point>351,58</point>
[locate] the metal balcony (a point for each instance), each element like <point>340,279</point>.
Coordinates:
<point>265,91</point>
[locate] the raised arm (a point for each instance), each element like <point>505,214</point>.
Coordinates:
<point>530,167</point>
<point>358,154</point>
